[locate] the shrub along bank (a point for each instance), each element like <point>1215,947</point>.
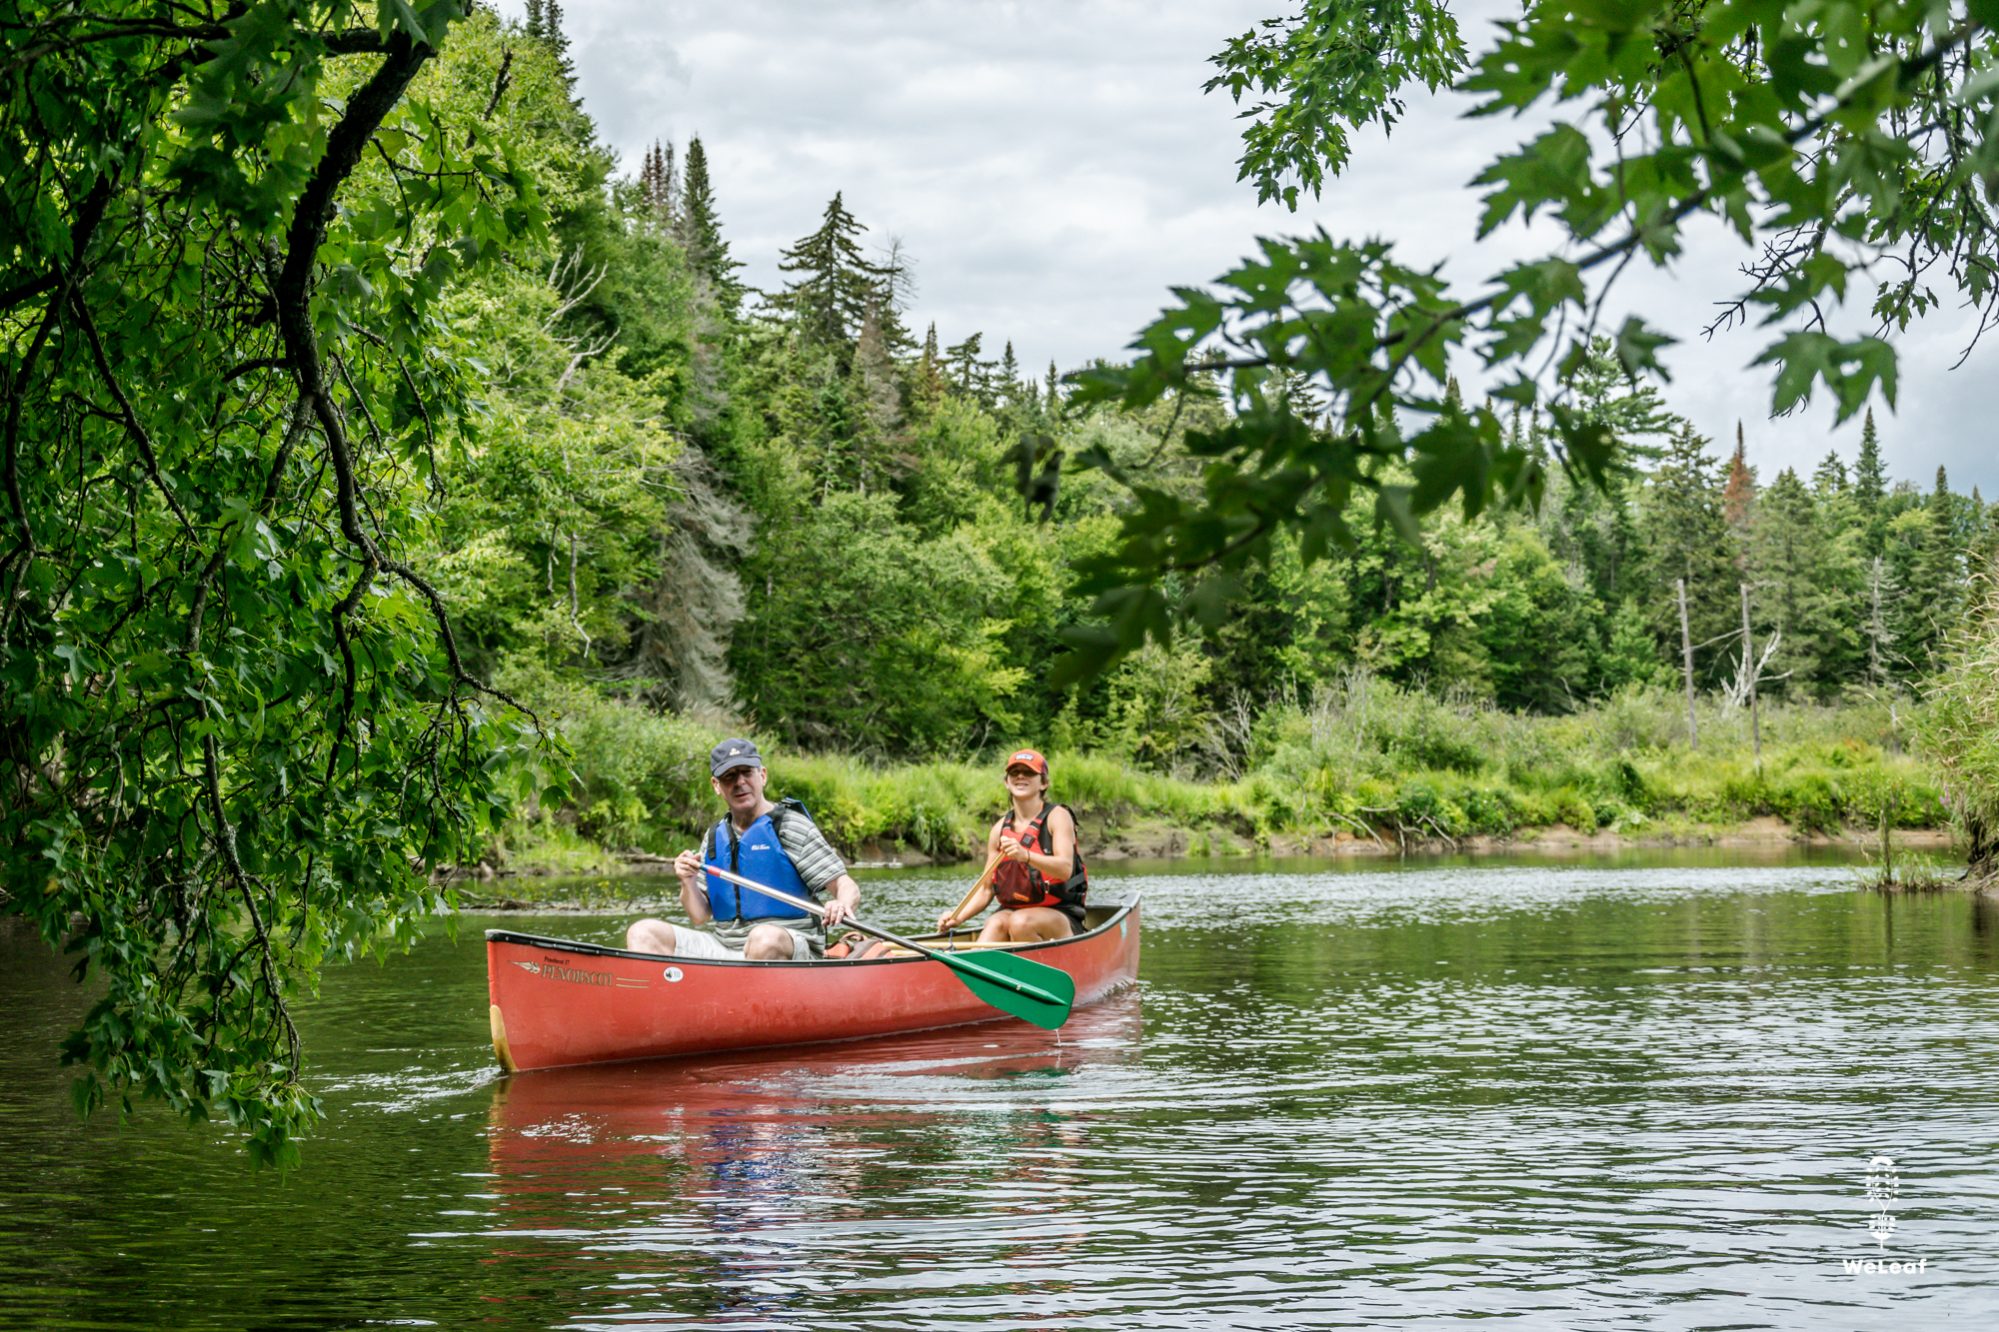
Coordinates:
<point>1368,760</point>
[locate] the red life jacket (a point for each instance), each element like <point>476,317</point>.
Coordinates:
<point>1018,884</point>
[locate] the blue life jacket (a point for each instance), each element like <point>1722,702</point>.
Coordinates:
<point>755,854</point>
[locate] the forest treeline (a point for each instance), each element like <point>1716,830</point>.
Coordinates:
<point>793,511</point>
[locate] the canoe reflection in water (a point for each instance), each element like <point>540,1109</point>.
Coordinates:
<point>741,1186</point>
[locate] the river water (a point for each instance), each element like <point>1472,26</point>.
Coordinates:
<point>1652,1093</point>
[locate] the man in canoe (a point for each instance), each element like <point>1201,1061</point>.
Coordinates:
<point>774,844</point>
<point>1034,866</point>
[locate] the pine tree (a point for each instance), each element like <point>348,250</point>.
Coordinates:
<point>1870,484</point>
<point>1052,390</point>
<point>700,231</point>
<point>1829,477</point>
<point>836,286</point>
<point>1009,373</point>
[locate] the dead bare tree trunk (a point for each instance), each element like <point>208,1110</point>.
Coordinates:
<point>1876,629</point>
<point>1753,669</point>
<point>1687,662</point>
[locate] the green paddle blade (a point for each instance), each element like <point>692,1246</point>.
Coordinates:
<point>1030,990</point>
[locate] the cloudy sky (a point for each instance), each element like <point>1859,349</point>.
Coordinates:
<point>1053,166</point>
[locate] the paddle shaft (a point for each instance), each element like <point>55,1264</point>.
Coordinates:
<point>985,876</point>
<point>933,954</point>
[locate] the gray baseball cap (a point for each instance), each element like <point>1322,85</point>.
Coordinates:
<point>733,754</point>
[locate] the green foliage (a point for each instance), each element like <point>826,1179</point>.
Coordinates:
<point>1336,63</point>
<point>638,778</point>
<point>549,536</point>
<point>1959,730</point>
<point>1794,128</point>
<point>870,636</point>
<point>235,726</point>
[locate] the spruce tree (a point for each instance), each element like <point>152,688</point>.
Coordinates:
<point>1983,561</point>
<point>1870,484</point>
<point>1630,655</point>
<point>1910,628</point>
<point>1942,509</point>
<point>700,230</point>
<point>1846,574</point>
<point>835,287</point>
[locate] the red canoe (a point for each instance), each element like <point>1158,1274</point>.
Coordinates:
<point>556,1003</point>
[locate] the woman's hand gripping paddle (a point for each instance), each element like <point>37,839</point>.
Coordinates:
<point>971,895</point>
<point>1031,991</point>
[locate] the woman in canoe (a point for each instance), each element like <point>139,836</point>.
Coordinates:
<point>1035,869</point>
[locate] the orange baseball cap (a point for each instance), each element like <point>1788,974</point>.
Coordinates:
<point>1028,758</point>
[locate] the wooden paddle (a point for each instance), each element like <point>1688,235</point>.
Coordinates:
<point>1030,990</point>
<point>985,877</point>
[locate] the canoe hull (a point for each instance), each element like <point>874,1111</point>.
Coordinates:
<point>556,1003</point>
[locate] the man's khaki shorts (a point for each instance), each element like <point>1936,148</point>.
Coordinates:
<point>702,944</point>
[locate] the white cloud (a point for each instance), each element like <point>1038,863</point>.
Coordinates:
<point>1054,167</point>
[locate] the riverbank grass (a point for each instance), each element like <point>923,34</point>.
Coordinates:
<point>1393,768</point>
